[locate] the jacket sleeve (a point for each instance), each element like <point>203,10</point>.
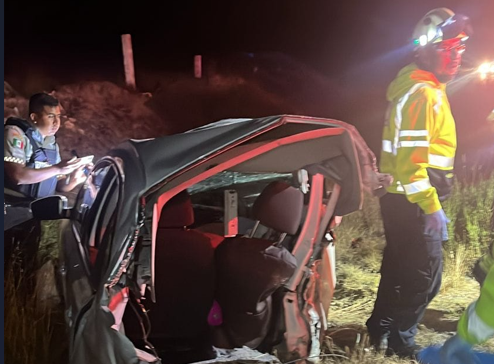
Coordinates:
<point>477,323</point>
<point>418,120</point>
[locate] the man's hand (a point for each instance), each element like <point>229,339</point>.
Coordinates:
<point>78,176</point>
<point>75,178</point>
<point>457,351</point>
<point>67,166</point>
<point>436,223</point>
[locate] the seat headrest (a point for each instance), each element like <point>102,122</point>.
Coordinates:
<point>177,212</point>
<point>279,207</point>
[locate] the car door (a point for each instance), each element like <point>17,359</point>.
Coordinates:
<point>87,238</point>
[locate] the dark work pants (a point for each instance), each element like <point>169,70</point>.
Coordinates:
<point>410,273</point>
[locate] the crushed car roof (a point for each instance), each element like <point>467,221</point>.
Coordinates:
<point>148,163</point>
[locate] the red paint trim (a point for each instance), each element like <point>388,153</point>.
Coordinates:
<point>313,134</point>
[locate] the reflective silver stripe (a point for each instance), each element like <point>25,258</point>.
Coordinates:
<point>399,187</point>
<point>387,146</point>
<point>13,160</point>
<point>476,326</point>
<point>413,143</point>
<point>416,187</point>
<point>414,133</point>
<point>399,109</point>
<point>441,161</point>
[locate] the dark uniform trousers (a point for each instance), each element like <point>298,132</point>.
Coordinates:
<point>410,273</point>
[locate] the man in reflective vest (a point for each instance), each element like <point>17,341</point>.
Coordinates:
<point>418,149</point>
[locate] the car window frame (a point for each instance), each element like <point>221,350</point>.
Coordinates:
<point>85,225</point>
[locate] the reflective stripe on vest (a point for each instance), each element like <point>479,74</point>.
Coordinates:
<point>413,144</point>
<point>387,146</point>
<point>414,133</point>
<point>399,109</point>
<point>416,187</point>
<point>476,326</point>
<point>441,161</point>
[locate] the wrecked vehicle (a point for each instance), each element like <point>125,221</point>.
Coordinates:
<point>219,237</point>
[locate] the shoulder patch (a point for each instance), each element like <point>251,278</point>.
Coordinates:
<point>14,144</point>
<point>15,137</point>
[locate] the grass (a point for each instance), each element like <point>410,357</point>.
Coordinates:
<point>34,331</point>
<point>28,331</point>
<point>360,241</point>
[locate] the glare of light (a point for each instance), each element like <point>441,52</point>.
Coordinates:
<point>423,40</point>
<point>484,67</point>
<point>486,70</point>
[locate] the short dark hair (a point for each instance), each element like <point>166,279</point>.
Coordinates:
<point>37,102</point>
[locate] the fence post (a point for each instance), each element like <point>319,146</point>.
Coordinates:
<point>128,55</point>
<point>198,66</point>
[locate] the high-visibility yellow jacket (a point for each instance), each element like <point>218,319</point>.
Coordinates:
<point>477,323</point>
<point>486,262</point>
<point>419,138</point>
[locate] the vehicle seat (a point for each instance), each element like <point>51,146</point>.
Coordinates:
<point>250,270</point>
<point>185,278</point>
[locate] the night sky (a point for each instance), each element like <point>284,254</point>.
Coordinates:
<point>359,44</point>
<point>329,35</point>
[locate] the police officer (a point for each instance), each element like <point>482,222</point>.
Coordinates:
<point>418,149</point>
<point>32,169</point>
<point>32,162</point>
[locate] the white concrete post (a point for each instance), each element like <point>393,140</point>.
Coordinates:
<point>130,78</point>
<point>198,66</point>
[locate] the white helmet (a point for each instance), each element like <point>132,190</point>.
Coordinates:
<point>441,24</point>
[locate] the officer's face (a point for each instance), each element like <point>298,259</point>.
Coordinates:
<point>444,58</point>
<point>47,121</point>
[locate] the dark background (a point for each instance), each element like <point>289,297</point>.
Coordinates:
<point>357,44</point>
<point>332,36</point>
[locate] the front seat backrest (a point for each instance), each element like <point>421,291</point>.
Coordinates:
<point>279,207</point>
<point>249,270</point>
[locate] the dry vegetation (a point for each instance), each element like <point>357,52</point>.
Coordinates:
<point>470,212</point>
<point>99,116</point>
